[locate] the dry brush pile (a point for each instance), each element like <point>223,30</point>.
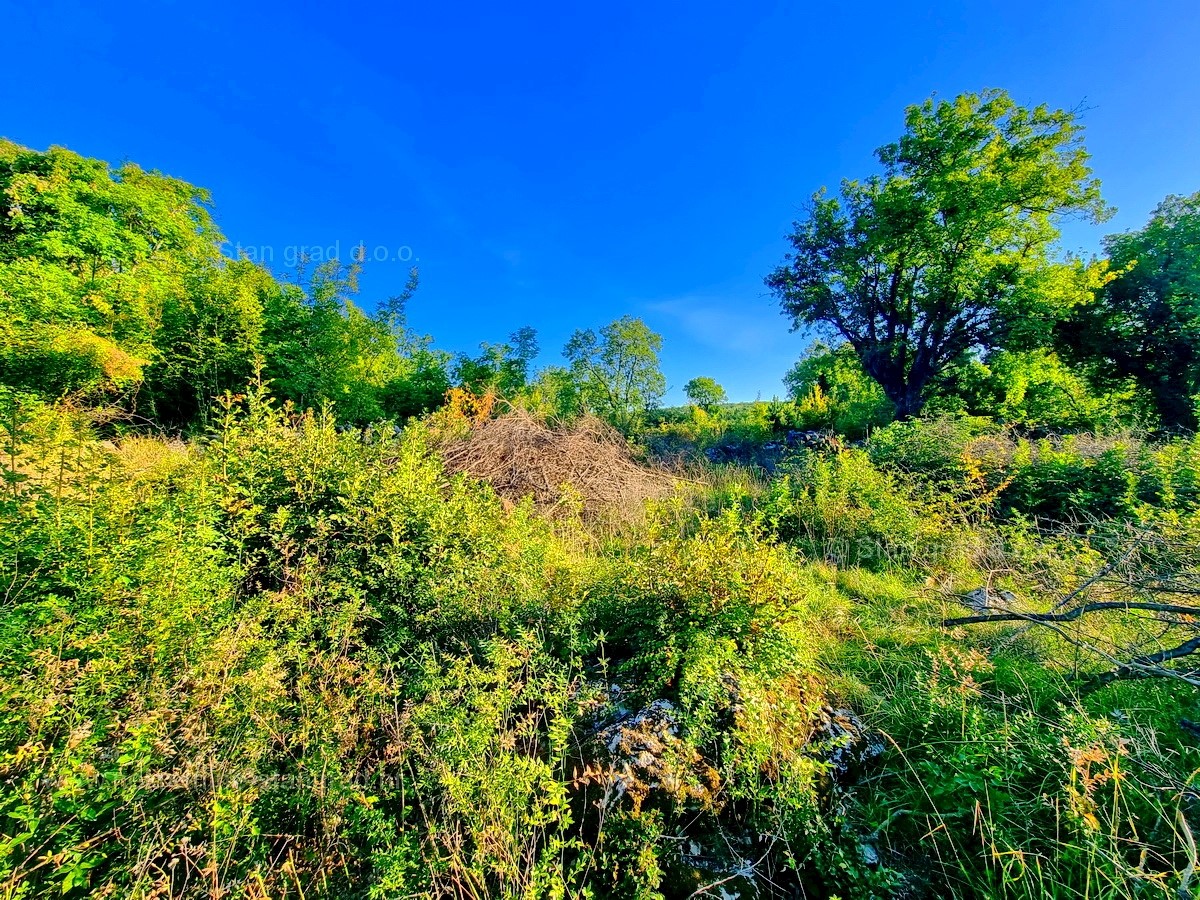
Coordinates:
<point>519,456</point>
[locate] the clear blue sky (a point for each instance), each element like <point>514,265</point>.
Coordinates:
<point>560,164</point>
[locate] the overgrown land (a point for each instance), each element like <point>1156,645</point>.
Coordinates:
<point>294,604</point>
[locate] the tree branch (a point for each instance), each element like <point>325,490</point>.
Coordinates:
<point>1148,666</point>
<point>1073,613</point>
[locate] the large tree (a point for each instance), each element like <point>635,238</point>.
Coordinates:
<point>617,371</point>
<point>114,293</point>
<point>1145,324</point>
<point>319,345</point>
<point>949,249</point>
<point>705,393</point>
<point>91,260</point>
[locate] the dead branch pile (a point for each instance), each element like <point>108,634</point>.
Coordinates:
<point>519,456</point>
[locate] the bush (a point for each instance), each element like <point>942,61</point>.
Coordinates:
<point>1000,793</point>
<point>1037,390</point>
<point>839,507</point>
<point>831,392</point>
<point>294,660</point>
<point>935,450</point>
<point>212,659</point>
<point>310,661</point>
<point>1073,479</point>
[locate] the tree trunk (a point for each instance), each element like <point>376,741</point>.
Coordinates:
<point>909,403</point>
<point>906,389</point>
<point>907,398</point>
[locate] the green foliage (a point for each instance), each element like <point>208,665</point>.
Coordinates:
<point>89,259</point>
<point>113,291</point>
<point>1076,479</point>
<point>555,395</point>
<point>841,508</point>
<point>1036,389</point>
<point>935,450</point>
<point>949,249</point>
<point>617,371</point>
<point>831,392</point>
<point>213,666</point>
<point>318,347</point>
<point>294,659</point>
<point>682,593</point>
<point>683,430</point>
<point>705,393</point>
<point>310,662</point>
<point>1001,792</point>
<point>1084,480</point>
<point>501,368</point>
<point>1145,324</point>
<point>1072,482</point>
<point>291,637</point>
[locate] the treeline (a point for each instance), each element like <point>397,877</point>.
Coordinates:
<point>115,295</point>
<point>934,287</point>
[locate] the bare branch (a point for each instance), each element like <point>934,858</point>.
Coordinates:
<point>1148,666</point>
<point>1075,613</point>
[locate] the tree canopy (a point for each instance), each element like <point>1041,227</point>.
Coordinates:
<point>502,368</point>
<point>949,249</point>
<point>92,258</point>
<point>617,370</point>
<point>114,292</point>
<point>1145,324</point>
<point>705,393</point>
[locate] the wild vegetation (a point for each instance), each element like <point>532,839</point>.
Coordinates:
<point>296,605</point>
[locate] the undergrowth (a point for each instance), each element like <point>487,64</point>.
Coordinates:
<point>291,661</point>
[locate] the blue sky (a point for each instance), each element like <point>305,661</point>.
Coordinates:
<point>562,165</point>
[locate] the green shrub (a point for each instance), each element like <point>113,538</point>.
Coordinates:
<point>1036,389</point>
<point>1072,482</point>
<point>995,794</point>
<point>934,450</point>
<point>295,642</point>
<point>293,660</point>
<point>831,392</point>
<point>1084,479</point>
<point>839,507</point>
<point>1076,478</point>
